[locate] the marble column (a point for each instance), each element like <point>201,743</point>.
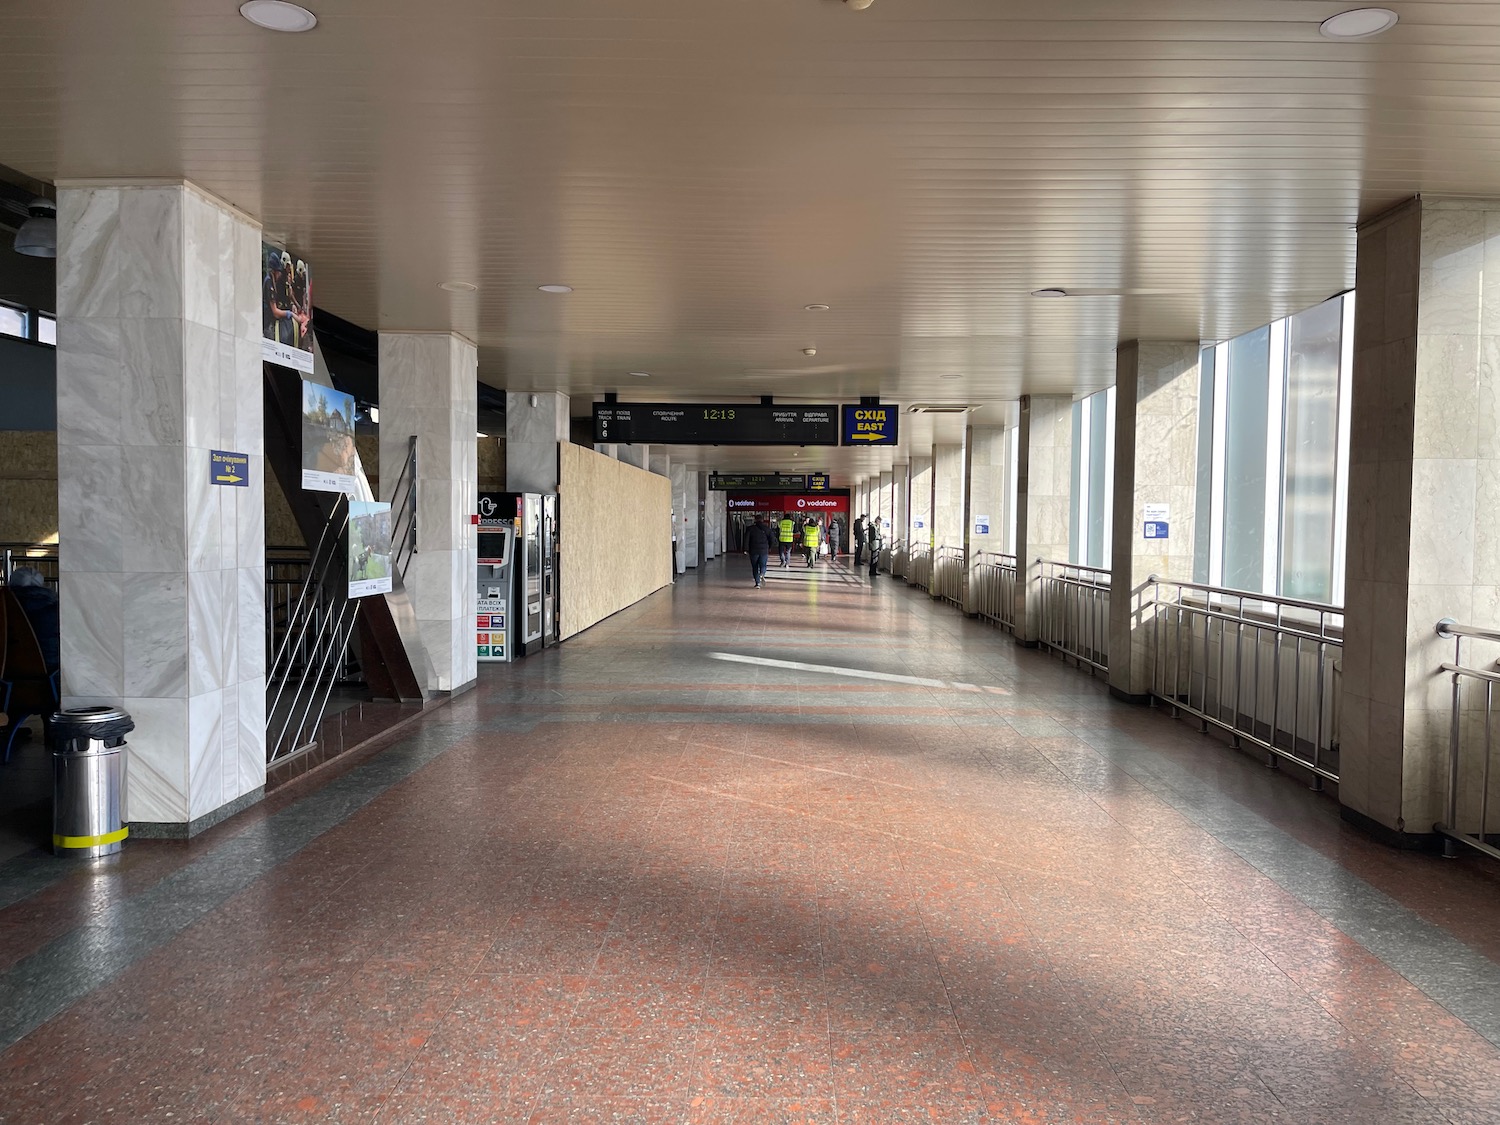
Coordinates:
<point>678,477</point>
<point>1043,479</point>
<point>637,455</point>
<point>948,495</point>
<point>692,519</point>
<point>535,424</point>
<point>428,388</point>
<point>885,509</point>
<point>608,449</point>
<point>1424,484</point>
<point>919,532</point>
<point>162,571</point>
<point>900,503</point>
<point>986,505</point>
<point>1156,460</point>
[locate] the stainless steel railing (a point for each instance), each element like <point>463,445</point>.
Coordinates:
<point>1266,670</point>
<point>404,511</point>
<point>41,557</point>
<point>992,588</point>
<point>314,646</point>
<point>1473,772</point>
<point>1075,612</point>
<point>899,557</point>
<point>919,565</point>
<point>950,567</point>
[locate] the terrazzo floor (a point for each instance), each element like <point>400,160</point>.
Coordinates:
<point>821,852</point>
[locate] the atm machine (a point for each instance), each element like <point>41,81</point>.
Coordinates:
<point>526,579</point>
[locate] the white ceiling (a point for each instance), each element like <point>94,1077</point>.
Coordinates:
<point>701,169</point>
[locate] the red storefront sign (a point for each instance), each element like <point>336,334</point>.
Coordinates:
<point>822,503</point>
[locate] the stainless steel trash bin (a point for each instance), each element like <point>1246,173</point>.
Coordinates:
<point>88,780</point>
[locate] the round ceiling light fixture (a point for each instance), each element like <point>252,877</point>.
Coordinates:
<point>809,351</point>
<point>1358,23</point>
<point>641,374</point>
<point>555,288</point>
<point>1049,292</point>
<point>37,236</point>
<point>458,286</point>
<point>278,15</point>
<point>859,5</point>
<point>817,308</point>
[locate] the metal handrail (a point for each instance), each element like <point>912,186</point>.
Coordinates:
<point>1075,612</point>
<point>949,571</point>
<point>919,565</point>
<point>1463,823</point>
<point>992,587</point>
<point>1236,668</point>
<point>41,557</point>
<point>404,499</point>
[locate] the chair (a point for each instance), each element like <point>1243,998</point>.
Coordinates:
<point>26,687</point>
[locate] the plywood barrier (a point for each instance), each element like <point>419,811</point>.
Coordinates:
<point>615,537</point>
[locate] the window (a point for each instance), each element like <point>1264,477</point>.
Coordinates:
<point>1091,497</point>
<point>13,321</point>
<point>46,329</point>
<point>1273,456</point>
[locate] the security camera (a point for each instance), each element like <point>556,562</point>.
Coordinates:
<point>859,5</point>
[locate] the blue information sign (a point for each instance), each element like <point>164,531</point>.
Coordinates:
<point>230,470</point>
<point>817,482</point>
<point>1156,529</point>
<point>870,425</point>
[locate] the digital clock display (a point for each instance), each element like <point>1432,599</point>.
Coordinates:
<point>715,424</point>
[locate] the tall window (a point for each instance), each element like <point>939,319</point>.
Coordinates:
<point>1273,456</point>
<point>1091,498</point>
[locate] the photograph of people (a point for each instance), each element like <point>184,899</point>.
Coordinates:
<point>286,300</point>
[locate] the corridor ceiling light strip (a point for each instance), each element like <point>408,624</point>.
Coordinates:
<point>817,308</point>
<point>1049,292</point>
<point>641,374</point>
<point>852,673</point>
<point>277,15</point>
<point>1358,23</point>
<point>555,288</point>
<point>458,286</point>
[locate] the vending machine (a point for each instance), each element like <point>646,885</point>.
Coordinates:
<point>494,622</point>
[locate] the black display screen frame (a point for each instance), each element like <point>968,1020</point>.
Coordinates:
<point>712,423</point>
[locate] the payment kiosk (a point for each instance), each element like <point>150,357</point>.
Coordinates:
<point>525,578</point>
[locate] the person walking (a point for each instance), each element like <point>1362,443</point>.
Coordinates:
<point>786,532</point>
<point>835,533</point>
<point>874,543</point>
<point>812,535</point>
<point>859,538</point>
<point>758,544</point>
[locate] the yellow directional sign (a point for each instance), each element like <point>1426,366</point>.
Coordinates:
<point>229,469</point>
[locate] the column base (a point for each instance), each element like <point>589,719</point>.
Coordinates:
<point>178,830</point>
<point>1393,837</point>
<point>1028,644</point>
<point>1129,696</point>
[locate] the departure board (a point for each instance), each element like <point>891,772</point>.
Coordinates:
<point>734,423</point>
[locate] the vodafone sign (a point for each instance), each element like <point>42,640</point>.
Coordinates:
<point>773,502</point>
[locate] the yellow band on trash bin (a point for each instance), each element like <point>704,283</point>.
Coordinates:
<point>90,841</point>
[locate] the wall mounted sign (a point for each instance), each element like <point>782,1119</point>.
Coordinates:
<point>328,459</point>
<point>1157,521</point>
<point>761,482</point>
<point>981,525</point>
<point>227,469</point>
<point>817,482</point>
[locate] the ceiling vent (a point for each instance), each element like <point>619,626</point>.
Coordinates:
<point>939,408</point>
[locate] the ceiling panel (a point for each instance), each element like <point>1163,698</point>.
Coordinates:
<point>699,170</point>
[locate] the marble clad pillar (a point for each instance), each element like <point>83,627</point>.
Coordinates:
<point>678,476</point>
<point>986,465</point>
<point>900,504</point>
<point>948,495</point>
<point>1424,489</point>
<point>884,510</point>
<point>690,523</point>
<point>163,572</point>
<point>428,388</point>
<point>919,532</point>
<point>1156,462</point>
<point>1043,480</point>
<point>532,435</point>
<point>637,455</point>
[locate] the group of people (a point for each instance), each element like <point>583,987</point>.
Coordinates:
<point>786,533</point>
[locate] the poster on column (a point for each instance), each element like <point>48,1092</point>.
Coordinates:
<point>328,459</point>
<point>369,548</point>
<point>286,310</point>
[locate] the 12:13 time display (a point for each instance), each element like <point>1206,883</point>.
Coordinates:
<point>719,415</point>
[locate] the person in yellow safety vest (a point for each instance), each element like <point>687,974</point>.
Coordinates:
<point>786,532</point>
<point>811,533</point>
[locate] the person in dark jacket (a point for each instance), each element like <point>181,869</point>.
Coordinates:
<point>758,544</point>
<point>39,602</point>
<point>873,542</point>
<point>858,542</point>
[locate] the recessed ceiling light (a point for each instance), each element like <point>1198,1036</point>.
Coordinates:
<point>458,286</point>
<point>950,375</point>
<point>1358,23</point>
<point>555,288</point>
<point>641,374</point>
<point>817,308</point>
<point>1049,292</point>
<point>277,15</point>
